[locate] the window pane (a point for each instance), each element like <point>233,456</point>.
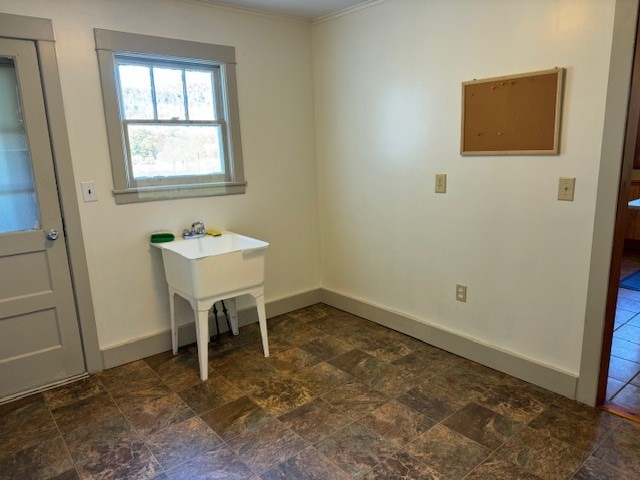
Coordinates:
<point>175,150</point>
<point>200,95</point>
<point>135,88</point>
<point>169,93</point>
<point>18,204</point>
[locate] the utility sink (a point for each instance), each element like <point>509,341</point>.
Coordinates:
<point>209,269</point>
<point>208,266</point>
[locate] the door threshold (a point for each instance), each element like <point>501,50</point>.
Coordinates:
<point>42,388</point>
<point>621,411</point>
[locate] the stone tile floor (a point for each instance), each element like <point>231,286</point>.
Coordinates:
<point>339,398</point>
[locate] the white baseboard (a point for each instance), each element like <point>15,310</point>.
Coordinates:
<point>511,363</point>
<point>494,357</point>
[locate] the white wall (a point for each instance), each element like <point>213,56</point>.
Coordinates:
<point>276,115</point>
<point>387,96</point>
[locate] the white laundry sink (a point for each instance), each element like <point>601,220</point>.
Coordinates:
<point>208,269</point>
<point>211,266</point>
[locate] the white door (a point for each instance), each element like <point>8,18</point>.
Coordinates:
<point>39,334</point>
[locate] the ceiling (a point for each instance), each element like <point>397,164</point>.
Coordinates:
<point>303,9</point>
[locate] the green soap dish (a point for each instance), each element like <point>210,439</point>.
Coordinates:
<point>162,237</point>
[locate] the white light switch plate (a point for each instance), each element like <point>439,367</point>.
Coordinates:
<point>89,191</point>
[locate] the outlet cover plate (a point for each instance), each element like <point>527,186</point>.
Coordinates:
<point>461,293</point>
<point>441,183</point>
<point>566,187</point>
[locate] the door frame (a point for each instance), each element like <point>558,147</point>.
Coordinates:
<point>621,221</point>
<point>40,31</point>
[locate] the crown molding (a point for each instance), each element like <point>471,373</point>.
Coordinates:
<point>346,11</point>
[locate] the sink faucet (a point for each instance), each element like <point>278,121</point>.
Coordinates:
<point>197,230</point>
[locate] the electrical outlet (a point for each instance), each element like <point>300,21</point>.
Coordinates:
<point>441,183</point>
<point>566,187</point>
<point>461,293</point>
<point>89,191</point>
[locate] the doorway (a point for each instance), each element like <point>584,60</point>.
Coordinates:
<point>619,379</point>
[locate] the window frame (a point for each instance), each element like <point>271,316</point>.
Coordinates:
<point>111,46</point>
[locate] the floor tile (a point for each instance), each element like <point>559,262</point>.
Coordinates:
<point>623,316</point>
<point>542,455</point>
<point>596,469</point>
<point>251,374</point>
<point>309,464</point>
<point>267,445</point>
<point>393,380</point>
<point>581,432</point>
<point>380,347</point>
<point>131,395</point>
<point>356,449</point>
<point>629,304</point>
<point>629,396</point>
<point>397,423</point>
<point>278,396</point>
<point>292,360</point>
<point>314,312</point>
<point>628,332</point>
<point>613,387</point>
<point>277,345</point>
<point>484,426</point>
<point>402,466</point>
<point>634,320</point>
<point>181,441</point>
<point>235,417</point>
<point>447,452</point>
<point>326,347</point>
<point>179,371</point>
<point>43,460</point>
<point>624,349</point>
<point>428,361</point>
<point>622,449</point>
<point>218,464</point>
<point>497,469</point>
<point>214,392</point>
<point>126,374</point>
<point>355,399</point>
<point>111,448</point>
<point>150,417</point>
<point>315,420</point>
<point>85,412</point>
<point>16,433</point>
<point>433,401</point>
<point>296,331</point>
<point>73,392</point>
<point>357,363</point>
<point>321,378</point>
<point>623,370</point>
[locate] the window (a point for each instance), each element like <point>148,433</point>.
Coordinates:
<point>172,117</point>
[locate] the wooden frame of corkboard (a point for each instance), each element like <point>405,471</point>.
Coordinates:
<point>512,115</point>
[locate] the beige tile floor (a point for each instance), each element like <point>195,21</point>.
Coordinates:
<point>339,398</point>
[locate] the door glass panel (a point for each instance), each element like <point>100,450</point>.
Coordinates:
<point>18,204</point>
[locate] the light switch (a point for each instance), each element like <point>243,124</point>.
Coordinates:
<point>89,191</point>
<point>566,187</point>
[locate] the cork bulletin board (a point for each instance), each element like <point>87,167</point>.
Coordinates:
<point>512,115</point>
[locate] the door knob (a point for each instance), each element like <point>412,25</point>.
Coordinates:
<point>51,234</point>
